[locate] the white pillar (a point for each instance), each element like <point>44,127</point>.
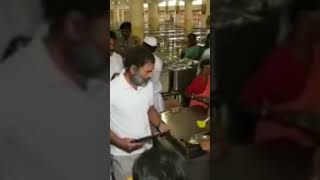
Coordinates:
<point>153,14</point>
<point>188,25</point>
<point>137,20</point>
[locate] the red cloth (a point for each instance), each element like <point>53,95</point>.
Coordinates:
<point>197,86</point>
<point>205,93</point>
<point>309,99</point>
<point>280,80</point>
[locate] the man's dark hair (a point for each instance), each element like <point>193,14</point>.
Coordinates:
<point>55,11</point>
<point>159,164</point>
<point>192,39</point>
<point>138,56</point>
<point>113,35</point>
<point>151,48</point>
<point>125,25</point>
<point>204,62</point>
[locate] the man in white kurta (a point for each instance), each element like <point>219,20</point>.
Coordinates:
<point>152,44</point>
<point>116,61</point>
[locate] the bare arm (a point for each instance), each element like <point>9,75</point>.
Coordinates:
<point>125,144</point>
<point>114,139</point>
<point>155,119</point>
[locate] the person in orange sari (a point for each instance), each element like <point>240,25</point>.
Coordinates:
<point>199,90</point>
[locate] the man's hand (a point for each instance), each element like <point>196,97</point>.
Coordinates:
<point>205,145</point>
<point>163,128</point>
<point>203,99</point>
<point>128,145</point>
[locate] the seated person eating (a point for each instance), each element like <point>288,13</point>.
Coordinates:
<point>199,90</point>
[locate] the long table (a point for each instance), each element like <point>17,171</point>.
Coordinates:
<point>183,126</point>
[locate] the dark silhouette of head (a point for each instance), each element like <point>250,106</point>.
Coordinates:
<point>159,163</point>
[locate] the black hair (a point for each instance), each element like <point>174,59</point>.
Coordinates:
<point>151,48</point>
<point>296,7</point>
<point>125,25</point>
<point>192,39</point>
<point>55,11</point>
<point>113,35</point>
<point>204,62</point>
<point>159,164</point>
<point>138,56</point>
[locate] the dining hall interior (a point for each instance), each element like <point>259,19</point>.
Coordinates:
<point>245,35</point>
<point>180,31</point>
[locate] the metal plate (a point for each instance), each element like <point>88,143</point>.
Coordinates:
<point>183,126</point>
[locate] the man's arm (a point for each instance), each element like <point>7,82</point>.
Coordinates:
<point>125,144</point>
<point>114,139</point>
<point>155,119</point>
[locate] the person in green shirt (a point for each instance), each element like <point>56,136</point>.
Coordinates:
<point>192,51</point>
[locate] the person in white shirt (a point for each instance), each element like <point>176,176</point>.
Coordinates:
<point>116,62</point>
<point>152,44</point>
<point>51,125</point>
<point>132,111</point>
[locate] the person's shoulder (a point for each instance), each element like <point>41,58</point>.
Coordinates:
<point>198,78</point>
<point>117,56</point>
<point>149,86</point>
<point>16,64</point>
<point>116,83</point>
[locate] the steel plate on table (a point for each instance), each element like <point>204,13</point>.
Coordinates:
<point>183,126</point>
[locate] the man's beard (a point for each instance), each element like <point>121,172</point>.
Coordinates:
<point>138,80</point>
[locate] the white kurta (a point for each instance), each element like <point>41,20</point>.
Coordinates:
<point>157,87</point>
<point>116,64</point>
